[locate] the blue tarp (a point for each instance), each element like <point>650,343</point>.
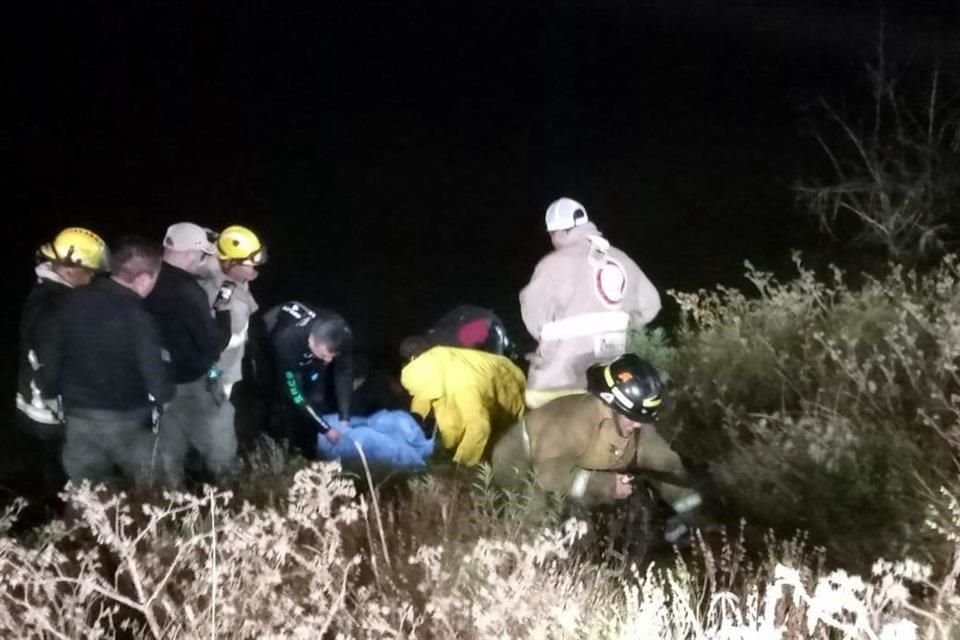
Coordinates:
<point>391,441</point>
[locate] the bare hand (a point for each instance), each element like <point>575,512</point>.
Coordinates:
<point>623,487</point>
<point>333,436</point>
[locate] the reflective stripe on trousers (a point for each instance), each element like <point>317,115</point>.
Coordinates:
<point>526,438</point>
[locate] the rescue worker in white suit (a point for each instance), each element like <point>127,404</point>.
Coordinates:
<point>580,303</point>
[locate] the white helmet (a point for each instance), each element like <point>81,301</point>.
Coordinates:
<point>565,214</point>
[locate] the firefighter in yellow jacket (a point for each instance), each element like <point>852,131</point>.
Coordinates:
<point>588,445</point>
<point>471,394</point>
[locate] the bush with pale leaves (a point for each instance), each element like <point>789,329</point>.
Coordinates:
<point>824,407</point>
<point>205,567</point>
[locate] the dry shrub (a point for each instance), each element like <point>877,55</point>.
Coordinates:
<point>208,566</point>
<point>824,407</point>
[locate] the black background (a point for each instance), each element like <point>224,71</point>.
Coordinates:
<point>398,156</point>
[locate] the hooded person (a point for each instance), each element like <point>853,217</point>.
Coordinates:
<point>579,305</point>
<point>471,395</point>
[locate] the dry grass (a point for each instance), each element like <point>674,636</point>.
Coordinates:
<point>319,564</point>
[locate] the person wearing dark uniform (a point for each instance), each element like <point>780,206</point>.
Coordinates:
<point>194,333</point>
<point>309,344</point>
<point>70,260</point>
<point>109,366</point>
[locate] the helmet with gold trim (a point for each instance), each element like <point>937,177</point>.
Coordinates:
<point>628,384</point>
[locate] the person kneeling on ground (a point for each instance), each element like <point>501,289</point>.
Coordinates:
<point>470,394</point>
<point>308,344</point>
<point>589,446</point>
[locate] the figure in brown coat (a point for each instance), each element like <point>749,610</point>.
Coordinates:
<point>589,446</point>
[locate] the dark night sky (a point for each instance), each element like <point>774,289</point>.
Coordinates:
<point>398,156</point>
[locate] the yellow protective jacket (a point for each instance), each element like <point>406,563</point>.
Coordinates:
<point>472,394</point>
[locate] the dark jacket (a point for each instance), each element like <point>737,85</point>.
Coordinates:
<point>288,328</point>
<point>37,331</point>
<point>190,331</point>
<point>108,355</point>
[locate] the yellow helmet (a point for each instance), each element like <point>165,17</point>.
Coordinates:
<point>240,243</point>
<point>77,247</point>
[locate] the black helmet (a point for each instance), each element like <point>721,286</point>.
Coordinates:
<point>628,384</point>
